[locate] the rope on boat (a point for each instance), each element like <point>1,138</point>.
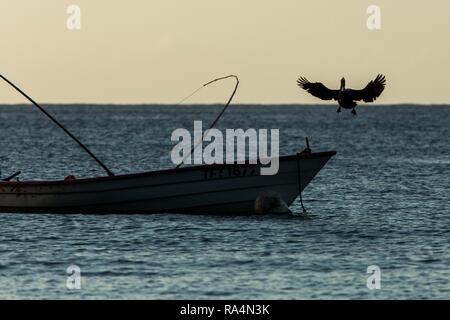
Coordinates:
<point>101,164</point>
<point>299,177</point>
<point>217,118</point>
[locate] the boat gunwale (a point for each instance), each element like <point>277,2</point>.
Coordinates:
<point>156,172</point>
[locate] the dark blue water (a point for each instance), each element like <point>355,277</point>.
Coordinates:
<point>383,200</point>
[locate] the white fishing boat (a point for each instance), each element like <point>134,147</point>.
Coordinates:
<point>206,189</point>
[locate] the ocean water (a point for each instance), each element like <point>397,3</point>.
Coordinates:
<point>383,201</point>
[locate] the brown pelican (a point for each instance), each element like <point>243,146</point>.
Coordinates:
<point>345,97</point>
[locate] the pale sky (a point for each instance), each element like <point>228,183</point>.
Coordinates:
<point>158,51</point>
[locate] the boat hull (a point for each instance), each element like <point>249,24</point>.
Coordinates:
<point>206,189</point>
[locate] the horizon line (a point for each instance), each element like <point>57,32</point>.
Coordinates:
<point>221,103</point>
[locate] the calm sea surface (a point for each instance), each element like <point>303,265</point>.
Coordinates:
<point>383,200</point>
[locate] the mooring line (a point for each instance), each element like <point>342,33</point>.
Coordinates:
<point>299,176</point>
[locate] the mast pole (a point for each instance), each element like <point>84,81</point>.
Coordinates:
<point>101,164</point>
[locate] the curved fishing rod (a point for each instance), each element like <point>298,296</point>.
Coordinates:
<point>59,125</point>
<point>220,114</point>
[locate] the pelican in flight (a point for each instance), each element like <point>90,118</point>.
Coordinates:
<point>345,97</point>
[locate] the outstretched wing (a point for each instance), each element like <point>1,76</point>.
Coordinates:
<point>372,91</point>
<point>317,89</point>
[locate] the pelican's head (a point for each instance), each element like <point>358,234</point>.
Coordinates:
<point>342,83</point>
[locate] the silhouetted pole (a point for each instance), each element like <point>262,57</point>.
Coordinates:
<point>220,114</point>
<point>60,125</point>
